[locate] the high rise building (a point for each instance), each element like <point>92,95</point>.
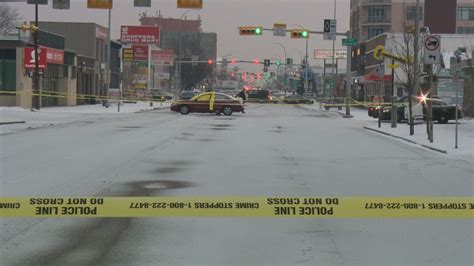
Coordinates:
<point>370,18</point>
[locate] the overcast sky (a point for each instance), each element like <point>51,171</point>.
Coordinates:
<point>222,17</point>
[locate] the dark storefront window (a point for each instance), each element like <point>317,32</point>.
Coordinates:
<point>51,84</point>
<point>8,70</point>
<point>465,30</point>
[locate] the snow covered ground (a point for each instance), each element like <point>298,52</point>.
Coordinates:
<point>444,134</point>
<point>52,116</point>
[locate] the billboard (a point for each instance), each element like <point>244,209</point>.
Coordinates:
<point>140,35</point>
<point>327,54</point>
<point>30,57</point>
<point>127,55</point>
<point>140,53</point>
<point>162,57</point>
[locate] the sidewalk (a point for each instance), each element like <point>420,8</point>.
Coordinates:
<point>443,134</point>
<point>14,119</point>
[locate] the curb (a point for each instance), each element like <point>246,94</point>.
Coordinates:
<point>407,140</point>
<point>12,122</point>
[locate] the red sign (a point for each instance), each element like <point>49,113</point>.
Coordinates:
<point>30,57</point>
<point>54,56</point>
<point>140,52</point>
<point>373,77</point>
<point>162,57</point>
<point>140,34</point>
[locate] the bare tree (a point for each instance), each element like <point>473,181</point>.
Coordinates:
<point>405,47</point>
<point>8,18</point>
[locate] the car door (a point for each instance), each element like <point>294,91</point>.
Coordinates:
<point>221,101</point>
<point>201,103</point>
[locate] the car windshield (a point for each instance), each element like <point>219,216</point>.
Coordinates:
<point>236,132</point>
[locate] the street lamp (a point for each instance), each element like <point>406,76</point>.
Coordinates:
<point>286,66</point>
<point>180,50</point>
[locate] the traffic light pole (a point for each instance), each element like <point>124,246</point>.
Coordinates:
<point>36,101</point>
<point>349,79</point>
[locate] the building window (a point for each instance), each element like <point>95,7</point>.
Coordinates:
<point>465,30</point>
<point>377,14</point>
<point>375,31</point>
<point>411,13</point>
<point>8,70</point>
<point>466,13</point>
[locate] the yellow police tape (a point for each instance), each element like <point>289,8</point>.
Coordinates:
<point>241,206</point>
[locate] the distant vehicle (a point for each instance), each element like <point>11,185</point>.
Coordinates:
<point>442,112</point>
<point>296,99</point>
<point>223,103</point>
<point>186,95</point>
<point>261,96</point>
<point>160,95</point>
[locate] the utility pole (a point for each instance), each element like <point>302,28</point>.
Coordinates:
<point>394,111</point>
<point>333,54</point>
<point>348,78</point>
<point>36,76</point>
<point>107,78</point>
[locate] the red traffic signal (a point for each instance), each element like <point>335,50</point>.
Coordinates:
<point>233,61</point>
<point>256,61</point>
<point>210,62</point>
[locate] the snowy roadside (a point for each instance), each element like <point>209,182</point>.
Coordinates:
<point>444,134</point>
<point>11,118</point>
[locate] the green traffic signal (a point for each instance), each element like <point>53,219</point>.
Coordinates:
<point>304,34</point>
<point>278,63</point>
<point>258,31</point>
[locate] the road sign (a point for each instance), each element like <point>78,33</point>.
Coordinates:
<point>196,4</point>
<point>349,42</point>
<point>279,29</point>
<point>266,62</point>
<point>330,29</point>
<point>432,45</point>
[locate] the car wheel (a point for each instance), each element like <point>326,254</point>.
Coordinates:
<point>443,119</point>
<point>184,109</point>
<point>227,110</point>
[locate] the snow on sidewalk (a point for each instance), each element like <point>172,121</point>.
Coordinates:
<point>50,116</point>
<point>443,136</point>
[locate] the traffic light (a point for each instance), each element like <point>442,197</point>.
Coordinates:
<point>210,62</point>
<point>300,34</point>
<point>251,30</point>
<point>256,62</point>
<point>233,61</point>
<point>25,27</point>
<point>278,62</point>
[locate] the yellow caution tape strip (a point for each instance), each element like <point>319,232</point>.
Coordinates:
<point>301,207</point>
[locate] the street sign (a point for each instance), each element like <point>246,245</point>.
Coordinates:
<point>39,2</point>
<point>349,42</point>
<point>100,4</point>
<point>330,29</point>
<point>432,47</point>
<point>279,29</point>
<point>266,62</point>
<point>61,4</point>
<point>196,4</point>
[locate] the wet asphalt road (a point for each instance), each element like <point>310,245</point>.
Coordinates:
<point>272,150</point>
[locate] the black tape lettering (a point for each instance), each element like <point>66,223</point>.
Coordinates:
<point>46,210</point>
<point>284,211</point>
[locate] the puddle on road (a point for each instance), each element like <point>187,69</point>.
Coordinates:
<point>131,127</point>
<point>219,128</point>
<point>221,125</point>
